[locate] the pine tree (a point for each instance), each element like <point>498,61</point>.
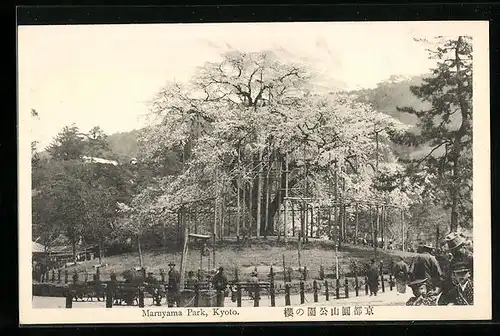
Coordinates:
<point>446,127</point>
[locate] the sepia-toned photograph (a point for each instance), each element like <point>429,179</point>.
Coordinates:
<point>254,172</point>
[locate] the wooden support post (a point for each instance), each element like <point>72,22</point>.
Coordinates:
<point>238,288</point>
<point>337,289</point>
<point>302,294</point>
<point>271,289</point>
<point>327,294</point>
<point>293,219</point>
<point>184,255</point>
<point>357,225</point>
<point>390,281</point>
<point>315,291</point>
<point>58,275</point>
<point>330,236</point>
<point>259,192</point>
<point>197,294</point>
<point>382,279</point>
<point>346,288</point>
<point>366,285</point>
<point>65,276</point>
<point>356,284</point>
<point>287,294</point>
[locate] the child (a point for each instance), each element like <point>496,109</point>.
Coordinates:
<point>421,297</point>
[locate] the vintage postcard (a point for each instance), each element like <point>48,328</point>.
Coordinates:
<point>254,172</point>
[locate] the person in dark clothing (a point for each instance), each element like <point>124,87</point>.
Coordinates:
<point>462,291</point>
<point>191,281</point>
<point>426,266</point>
<point>458,249</point>
<point>459,254</point>
<point>401,275</point>
<point>174,282</point>
<point>372,277</point>
<point>219,281</point>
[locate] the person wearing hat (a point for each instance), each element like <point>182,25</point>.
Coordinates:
<point>372,273</point>
<point>219,281</point>
<point>462,292</point>
<point>401,275</point>
<point>426,266</point>
<point>421,295</point>
<point>174,282</point>
<point>458,248</point>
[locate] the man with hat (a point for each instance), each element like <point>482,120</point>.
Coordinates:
<point>372,275</point>
<point>426,266</point>
<point>462,292</point>
<point>457,247</point>
<point>219,281</point>
<point>421,295</point>
<point>174,283</point>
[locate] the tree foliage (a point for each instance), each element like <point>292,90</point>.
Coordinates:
<point>446,127</point>
<point>250,115</point>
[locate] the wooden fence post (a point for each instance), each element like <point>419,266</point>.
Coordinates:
<point>315,289</point>
<point>53,276</point>
<point>302,298</point>
<point>256,296</point>
<point>287,294</point>
<point>141,297</point>
<point>327,294</point>
<point>58,275</point>
<point>66,276</point>
<point>238,294</point>
<point>390,281</point>
<point>109,295</point>
<point>366,285</point>
<point>337,290</point>
<point>346,287</point>
<point>69,299</point>
<point>356,283</point>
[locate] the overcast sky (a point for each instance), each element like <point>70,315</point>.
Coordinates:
<point>104,75</point>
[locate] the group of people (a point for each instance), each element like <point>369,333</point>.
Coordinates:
<point>442,279</point>
<point>218,280</point>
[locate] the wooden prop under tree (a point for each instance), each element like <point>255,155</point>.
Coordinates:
<point>193,236</point>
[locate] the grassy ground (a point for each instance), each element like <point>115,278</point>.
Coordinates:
<point>261,253</point>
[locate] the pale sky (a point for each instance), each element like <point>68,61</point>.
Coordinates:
<point>104,74</point>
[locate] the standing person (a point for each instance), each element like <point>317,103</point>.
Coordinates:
<point>426,266</point>
<point>401,275</point>
<point>174,283</point>
<point>219,281</point>
<point>372,277</point>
